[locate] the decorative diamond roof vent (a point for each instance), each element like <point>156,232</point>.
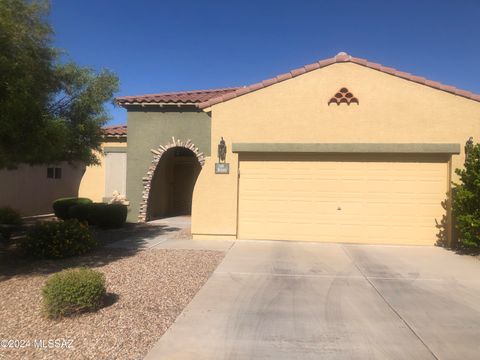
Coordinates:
<point>343,96</point>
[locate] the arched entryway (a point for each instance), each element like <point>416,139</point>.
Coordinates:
<point>168,185</point>
<point>172,184</point>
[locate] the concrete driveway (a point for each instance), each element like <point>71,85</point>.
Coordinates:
<point>293,300</point>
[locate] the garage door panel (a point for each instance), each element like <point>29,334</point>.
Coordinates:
<point>278,184</point>
<point>359,200</point>
<point>385,235</point>
<point>277,214</point>
<point>277,230</point>
<point>404,206</point>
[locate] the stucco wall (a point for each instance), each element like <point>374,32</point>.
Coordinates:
<point>92,185</point>
<point>150,127</point>
<point>28,190</point>
<point>391,110</point>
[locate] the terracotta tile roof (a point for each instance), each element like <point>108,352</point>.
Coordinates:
<point>115,131</point>
<point>182,97</point>
<point>339,58</point>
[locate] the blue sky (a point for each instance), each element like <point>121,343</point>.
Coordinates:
<point>158,46</point>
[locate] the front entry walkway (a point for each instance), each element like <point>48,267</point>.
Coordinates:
<point>166,233</point>
<point>292,300</point>
<point>149,235</point>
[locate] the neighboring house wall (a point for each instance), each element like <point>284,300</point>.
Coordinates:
<point>150,127</point>
<point>391,110</point>
<point>28,190</point>
<point>94,182</point>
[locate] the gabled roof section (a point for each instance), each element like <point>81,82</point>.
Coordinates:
<point>179,98</point>
<point>117,131</point>
<point>341,57</point>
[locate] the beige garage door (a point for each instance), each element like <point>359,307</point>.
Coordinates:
<point>362,199</point>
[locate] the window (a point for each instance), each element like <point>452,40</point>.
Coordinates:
<point>58,173</point>
<point>54,173</point>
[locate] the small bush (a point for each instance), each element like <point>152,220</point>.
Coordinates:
<point>8,216</point>
<point>107,215</point>
<point>9,221</point>
<point>79,212</point>
<point>73,291</point>
<point>61,206</point>
<point>58,239</point>
<point>100,214</point>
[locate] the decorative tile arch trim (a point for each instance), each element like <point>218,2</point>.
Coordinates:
<point>157,155</point>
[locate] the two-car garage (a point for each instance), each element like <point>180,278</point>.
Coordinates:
<point>394,198</point>
<point>341,150</point>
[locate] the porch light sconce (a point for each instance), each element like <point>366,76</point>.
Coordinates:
<point>222,151</point>
<point>222,167</point>
<point>468,147</point>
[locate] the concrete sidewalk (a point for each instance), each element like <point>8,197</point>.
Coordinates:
<point>288,300</point>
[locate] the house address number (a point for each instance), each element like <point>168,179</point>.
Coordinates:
<point>222,168</point>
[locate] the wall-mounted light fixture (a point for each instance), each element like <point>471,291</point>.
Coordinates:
<point>222,151</point>
<point>222,167</point>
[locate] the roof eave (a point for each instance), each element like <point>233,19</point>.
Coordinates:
<point>159,104</point>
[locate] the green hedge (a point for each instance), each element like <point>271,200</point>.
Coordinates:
<point>58,239</point>
<point>73,291</point>
<point>100,214</point>
<point>8,216</point>
<point>62,206</point>
<point>10,220</point>
<point>107,215</point>
<point>79,212</point>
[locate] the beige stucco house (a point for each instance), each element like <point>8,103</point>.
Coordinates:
<point>31,190</point>
<point>341,150</point>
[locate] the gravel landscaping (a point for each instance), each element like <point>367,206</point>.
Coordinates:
<point>147,291</point>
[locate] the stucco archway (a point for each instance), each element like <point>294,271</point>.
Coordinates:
<point>157,155</point>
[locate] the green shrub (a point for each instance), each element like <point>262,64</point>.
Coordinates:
<point>107,215</point>
<point>9,221</point>
<point>73,291</point>
<point>61,206</point>
<point>8,216</point>
<point>58,239</point>
<point>466,200</point>
<point>100,214</point>
<point>79,212</point>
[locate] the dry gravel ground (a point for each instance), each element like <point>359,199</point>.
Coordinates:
<point>150,290</point>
